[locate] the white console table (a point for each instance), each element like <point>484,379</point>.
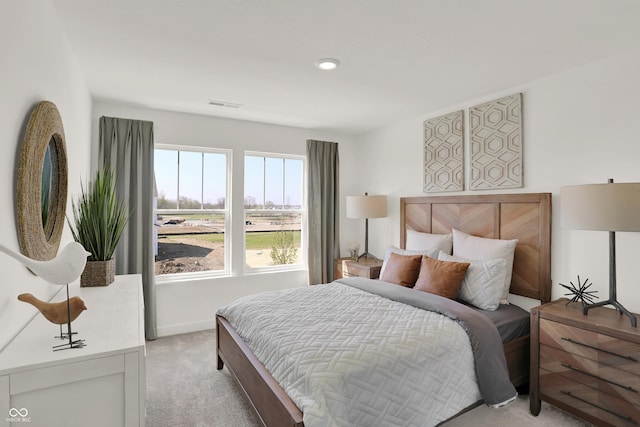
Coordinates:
<point>102,384</point>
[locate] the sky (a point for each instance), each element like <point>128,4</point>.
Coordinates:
<point>191,177</point>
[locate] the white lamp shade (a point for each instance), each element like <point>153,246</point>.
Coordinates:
<point>366,206</point>
<point>605,207</point>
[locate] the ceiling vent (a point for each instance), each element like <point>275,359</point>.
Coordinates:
<point>224,104</point>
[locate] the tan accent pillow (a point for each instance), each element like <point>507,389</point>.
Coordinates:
<point>433,253</point>
<point>402,269</point>
<point>441,277</point>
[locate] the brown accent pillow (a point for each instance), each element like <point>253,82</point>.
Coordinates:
<point>402,269</point>
<point>441,277</point>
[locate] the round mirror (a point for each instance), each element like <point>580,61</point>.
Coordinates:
<point>42,184</point>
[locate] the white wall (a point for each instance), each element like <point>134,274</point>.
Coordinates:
<point>580,126</point>
<point>37,64</point>
<point>190,305</point>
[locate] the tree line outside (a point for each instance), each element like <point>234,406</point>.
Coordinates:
<point>189,203</point>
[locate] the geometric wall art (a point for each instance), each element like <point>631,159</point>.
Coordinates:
<point>444,153</point>
<point>495,133</point>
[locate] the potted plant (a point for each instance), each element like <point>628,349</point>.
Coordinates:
<point>99,218</point>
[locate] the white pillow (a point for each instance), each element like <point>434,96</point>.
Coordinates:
<point>418,241</point>
<point>483,283</point>
<point>433,253</point>
<point>483,249</point>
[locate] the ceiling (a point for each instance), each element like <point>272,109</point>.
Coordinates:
<point>399,58</point>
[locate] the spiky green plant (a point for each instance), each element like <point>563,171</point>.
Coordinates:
<point>99,217</point>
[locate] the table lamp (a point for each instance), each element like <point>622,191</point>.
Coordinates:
<point>605,207</point>
<point>366,207</point>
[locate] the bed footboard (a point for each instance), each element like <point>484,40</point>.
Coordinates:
<point>271,403</point>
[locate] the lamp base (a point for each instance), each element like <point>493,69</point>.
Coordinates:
<point>612,284</point>
<point>617,305</point>
<point>366,255</point>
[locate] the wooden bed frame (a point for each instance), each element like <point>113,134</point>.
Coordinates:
<point>526,217</point>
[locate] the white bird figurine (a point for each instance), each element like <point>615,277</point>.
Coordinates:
<point>66,267</point>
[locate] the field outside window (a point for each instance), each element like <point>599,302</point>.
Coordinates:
<point>191,211</point>
<point>273,189</point>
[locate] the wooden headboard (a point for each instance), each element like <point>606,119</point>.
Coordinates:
<point>526,217</point>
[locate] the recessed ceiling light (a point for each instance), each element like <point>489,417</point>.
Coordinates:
<point>327,63</point>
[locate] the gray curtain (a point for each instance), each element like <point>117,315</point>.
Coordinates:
<point>126,146</point>
<point>323,209</point>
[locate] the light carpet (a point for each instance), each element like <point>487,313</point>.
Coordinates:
<point>185,389</point>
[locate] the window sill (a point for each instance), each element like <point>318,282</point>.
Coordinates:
<point>187,277</point>
<point>268,270</point>
<point>170,279</point>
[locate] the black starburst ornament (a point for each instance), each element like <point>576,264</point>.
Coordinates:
<point>580,293</point>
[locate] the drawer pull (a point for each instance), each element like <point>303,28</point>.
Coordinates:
<point>623,417</point>
<point>599,349</point>
<point>626,387</point>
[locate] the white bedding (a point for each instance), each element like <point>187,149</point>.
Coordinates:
<point>352,358</point>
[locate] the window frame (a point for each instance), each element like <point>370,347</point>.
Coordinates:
<point>227,211</point>
<point>304,264</point>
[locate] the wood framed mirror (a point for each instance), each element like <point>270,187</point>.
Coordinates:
<point>42,184</point>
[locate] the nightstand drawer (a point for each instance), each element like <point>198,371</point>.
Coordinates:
<point>368,268</point>
<point>350,271</point>
<point>353,269</point>
<point>609,409</point>
<point>605,349</point>
<point>591,373</point>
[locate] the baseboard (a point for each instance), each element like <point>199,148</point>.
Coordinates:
<point>183,328</point>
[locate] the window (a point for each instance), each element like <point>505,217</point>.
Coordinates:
<point>273,207</point>
<point>192,213</point>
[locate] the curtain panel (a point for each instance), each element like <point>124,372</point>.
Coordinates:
<point>323,209</point>
<point>126,147</point>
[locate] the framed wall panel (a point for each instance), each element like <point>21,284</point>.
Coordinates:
<point>496,144</point>
<point>444,153</point>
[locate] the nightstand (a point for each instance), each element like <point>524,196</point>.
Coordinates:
<point>366,267</point>
<point>586,365</point>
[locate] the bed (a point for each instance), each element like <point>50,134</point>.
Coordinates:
<point>526,217</point>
